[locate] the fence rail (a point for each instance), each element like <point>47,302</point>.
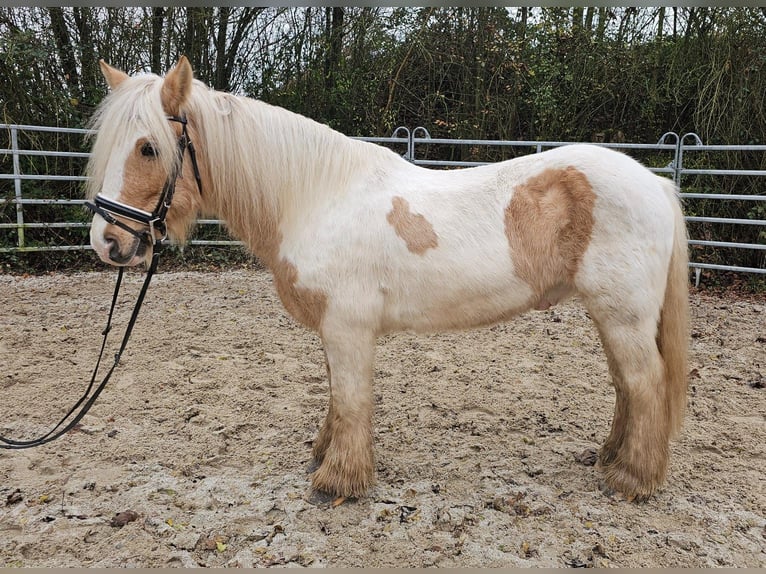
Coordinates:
<point>671,154</point>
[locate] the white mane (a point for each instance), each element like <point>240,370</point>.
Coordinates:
<point>261,158</point>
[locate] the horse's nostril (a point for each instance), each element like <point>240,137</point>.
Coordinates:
<point>123,252</point>
<point>114,250</point>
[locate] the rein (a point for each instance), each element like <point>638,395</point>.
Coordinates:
<point>155,220</point>
<point>56,431</point>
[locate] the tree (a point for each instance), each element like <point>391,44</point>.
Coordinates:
<point>158,27</point>
<point>65,49</point>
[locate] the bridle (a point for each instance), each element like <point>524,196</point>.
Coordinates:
<point>155,221</point>
<point>110,210</point>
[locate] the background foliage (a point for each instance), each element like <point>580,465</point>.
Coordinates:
<point>499,73</point>
<point>571,74</point>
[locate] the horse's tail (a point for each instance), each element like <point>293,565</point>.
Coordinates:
<point>673,328</point>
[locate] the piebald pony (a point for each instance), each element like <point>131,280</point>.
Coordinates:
<point>363,243</point>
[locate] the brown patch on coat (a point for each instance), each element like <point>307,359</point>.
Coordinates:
<point>416,230</point>
<point>306,305</point>
<point>141,187</point>
<point>143,179</point>
<point>549,222</point>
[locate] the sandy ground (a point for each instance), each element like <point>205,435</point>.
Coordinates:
<point>197,452</point>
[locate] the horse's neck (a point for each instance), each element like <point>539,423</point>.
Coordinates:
<point>278,169</point>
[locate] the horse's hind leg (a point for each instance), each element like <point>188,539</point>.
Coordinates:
<point>343,448</point>
<point>635,455</point>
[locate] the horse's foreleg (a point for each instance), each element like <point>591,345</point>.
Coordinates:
<point>343,449</point>
<point>322,440</point>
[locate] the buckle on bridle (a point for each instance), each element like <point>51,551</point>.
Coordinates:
<point>160,227</point>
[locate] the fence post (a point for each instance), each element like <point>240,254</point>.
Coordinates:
<point>412,138</point>
<point>17,186</point>
<point>674,163</point>
<point>408,154</point>
<point>697,141</point>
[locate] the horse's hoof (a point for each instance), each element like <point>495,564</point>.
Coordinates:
<point>325,500</point>
<point>639,498</point>
<point>320,498</point>
<point>606,490</point>
<point>629,492</point>
<point>337,476</point>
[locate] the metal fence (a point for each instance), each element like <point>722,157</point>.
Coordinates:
<point>670,156</point>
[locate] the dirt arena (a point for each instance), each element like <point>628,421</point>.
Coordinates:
<point>197,452</point>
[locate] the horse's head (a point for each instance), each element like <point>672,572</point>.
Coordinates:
<point>141,187</point>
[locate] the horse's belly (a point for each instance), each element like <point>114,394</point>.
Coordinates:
<point>449,305</point>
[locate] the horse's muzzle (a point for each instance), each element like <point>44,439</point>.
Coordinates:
<point>136,251</point>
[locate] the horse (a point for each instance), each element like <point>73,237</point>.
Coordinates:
<point>362,243</point>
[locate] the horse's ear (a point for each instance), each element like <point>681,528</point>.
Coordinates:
<point>113,76</point>
<point>177,87</point>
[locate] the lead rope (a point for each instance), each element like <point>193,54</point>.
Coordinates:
<point>55,433</point>
<point>104,207</point>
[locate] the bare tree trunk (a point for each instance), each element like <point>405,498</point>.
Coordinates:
<point>523,27</point>
<point>478,34</point>
<point>197,39</point>
<point>603,14</point>
<point>333,55</point>
<point>158,23</point>
<point>83,18</point>
<point>221,81</point>
<point>577,18</point>
<point>65,50</point>
<point>691,18</point>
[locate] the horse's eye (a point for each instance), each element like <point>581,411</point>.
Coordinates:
<point>147,150</point>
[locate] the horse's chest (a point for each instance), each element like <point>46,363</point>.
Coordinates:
<point>306,306</point>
